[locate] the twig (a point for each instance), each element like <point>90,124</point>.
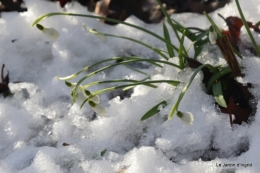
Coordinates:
<point>2,74</point>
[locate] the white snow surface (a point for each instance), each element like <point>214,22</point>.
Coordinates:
<point>39,117</point>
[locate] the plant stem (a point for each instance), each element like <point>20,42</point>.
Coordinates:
<point>176,105</point>
<point>2,74</point>
<point>110,66</point>
<point>247,28</point>
<point>102,18</point>
<point>172,82</point>
<point>114,81</point>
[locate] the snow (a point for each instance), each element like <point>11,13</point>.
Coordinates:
<point>39,118</point>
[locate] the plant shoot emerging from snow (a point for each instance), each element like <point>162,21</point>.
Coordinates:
<point>198,41</point>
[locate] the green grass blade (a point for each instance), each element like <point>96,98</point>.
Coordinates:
<point>115,81</point>
<point>216,76</point>
<point>168,19</point>
<point>167,37</point>
<point>136,70</point>
<point>196,29</point>
<point>129,87</point>
<point>213,24</point>
<point>95,64</point>
<point>154,110</point>
<point>181,50</point>
<point>257,49</point>
<point>199,41</point>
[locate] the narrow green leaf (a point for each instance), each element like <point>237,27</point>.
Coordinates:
<point>197,40</point>
<point>169,20</point>
<point>216,76</point>
<point>257,24</point>
<point>167,37</point>
<point>190,35</point>
<point>103,153</point>
<point>136,70</point>
<point>257,49</point>
<point>213,24</point>
<point>95,64</point>
<point>181,49</point>
<point>154,110</point>
<point>121,80</point>
<point>218,94</point>
<point>129,87</point>
<point>175,83</point>
<point>196,29</point>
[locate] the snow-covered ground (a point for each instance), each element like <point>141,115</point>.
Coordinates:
<point>39,118</point>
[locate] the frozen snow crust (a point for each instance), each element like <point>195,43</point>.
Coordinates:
<point>39,118</point>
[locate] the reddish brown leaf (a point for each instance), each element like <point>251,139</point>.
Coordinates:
<point>234,27</point>
<point>241,114</point>
<point>63,3</point>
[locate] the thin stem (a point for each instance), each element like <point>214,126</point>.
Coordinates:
<point>2,74</point>
<point>102,18</point>
<point>113,65</point>
<point>139,71</point>
<point>142,43</point>
<point>247,28</point>
<point>115,81</point>
<point>128,85</point>
<point>176,105</point>
<point>100,62</point>
<point>181,49</point>
<point>168,19</point>
<point>213,24</point>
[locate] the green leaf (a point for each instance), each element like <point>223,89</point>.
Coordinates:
<point>103,36</point>
<point>136,70</point>
<point>198,43</point>
<point>103,152</point>
<point>181,48</point>
<point>102,18</point>
<point>216,76</point>
<point>257,49</point>
<point>257,24</point>
<point>218,95</point>
<point>153,111</point>
<point>196,29</point>
<point>174,83</point>
<point>129,87</point>
<point>197,39</point>
<point>167,37</point>
<point>213,24</point>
